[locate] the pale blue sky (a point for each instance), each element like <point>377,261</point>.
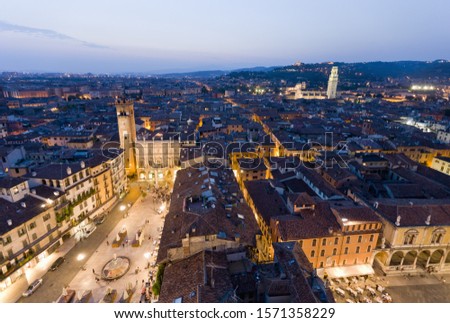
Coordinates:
<point>175,35</point>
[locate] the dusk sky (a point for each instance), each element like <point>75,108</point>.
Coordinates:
<point>116,36</point>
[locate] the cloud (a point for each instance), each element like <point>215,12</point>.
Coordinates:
<point>46,33</point>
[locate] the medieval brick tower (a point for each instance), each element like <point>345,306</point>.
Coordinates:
<point>127,132</point>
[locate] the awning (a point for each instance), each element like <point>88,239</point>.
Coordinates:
<point>346,271</point>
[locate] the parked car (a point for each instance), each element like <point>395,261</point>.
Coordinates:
<point>58,262</point>
<point>32,288</point>
<point>99,219</point>
<point>89,229</point>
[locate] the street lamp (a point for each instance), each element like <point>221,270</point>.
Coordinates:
<point>123,209</point>
<point>81,256</point>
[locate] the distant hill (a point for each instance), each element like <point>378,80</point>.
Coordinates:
<point>198,74</point>
<point>356,74</point>
<point>353,75</point>
<point>216,73</point>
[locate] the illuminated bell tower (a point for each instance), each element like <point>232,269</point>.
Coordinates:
<point>127,133</point>
<point>332,83</point>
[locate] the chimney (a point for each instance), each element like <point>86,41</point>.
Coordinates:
<point>82,164</point>
<point>9,221</point>
<point>33,174</point>
<point>69,171</point>
<point>428,221</point>
<point>397,223</point>
<point>22,204</point>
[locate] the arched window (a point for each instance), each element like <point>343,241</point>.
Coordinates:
<point>438,235</point>
<point>410,237</point>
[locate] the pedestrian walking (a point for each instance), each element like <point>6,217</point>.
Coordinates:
<point>107,242</point>
<point>93,271</point>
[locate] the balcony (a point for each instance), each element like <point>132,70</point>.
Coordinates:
<point>421,246</point>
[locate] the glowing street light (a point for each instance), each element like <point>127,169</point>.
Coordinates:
<point>81,256</point>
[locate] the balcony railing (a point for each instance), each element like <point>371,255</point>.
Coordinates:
<point>414,246</point>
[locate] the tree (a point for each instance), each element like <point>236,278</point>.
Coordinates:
<point>156,288</point>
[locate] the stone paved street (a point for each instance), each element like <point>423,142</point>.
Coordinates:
<point>55,281</point>
<point>142,215</point>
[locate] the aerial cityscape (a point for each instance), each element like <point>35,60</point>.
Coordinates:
<point>247,181</point>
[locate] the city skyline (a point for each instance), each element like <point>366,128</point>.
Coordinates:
<point>174,36</point>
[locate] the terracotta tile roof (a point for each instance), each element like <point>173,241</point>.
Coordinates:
<point>230,217</point>
<point>425,182</point>
<point>404,190</point>
<point>303,199</point>
<point>55,171</point>
<point>266,199</point>
<point>433,175</point>
<point>354,213</point>
<point>252,164</point>
<point>308,224</point>
<point>201,278</point>
<point>19,212</point>
<point>317,181</point>
<point>338,173</point>
<point>299,273</point>
<point>9,182</point>
<point>415,212</point>
<point>296,185</point>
